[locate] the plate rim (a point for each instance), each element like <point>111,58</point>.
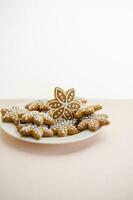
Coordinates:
<point>47,141</point>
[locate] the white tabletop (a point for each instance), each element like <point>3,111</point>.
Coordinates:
<point>96,169</point>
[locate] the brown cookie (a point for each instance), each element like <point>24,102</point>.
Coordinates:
<point>4,110</point>
<point>35,131</point>
<point>12,114</point>
<point>85,111</point>
<point>32,117</point>
<point>93,122</point>
<point>47,119</point>
<point>63,127</point>
<point>46,131</point>
<point>37,117</point>
<point>37,106</point>
<point>64,103</point>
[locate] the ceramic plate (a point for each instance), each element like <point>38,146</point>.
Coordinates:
<point>10,129</point>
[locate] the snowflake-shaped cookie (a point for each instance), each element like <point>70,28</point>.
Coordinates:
<point>93,122</point>
<point>87,110</point>
<point>35,131</point>
<point>12,114</point>
<point>64,103</point>
<point>36,117</point>
<point>37,105</point>
<point>64,127</point>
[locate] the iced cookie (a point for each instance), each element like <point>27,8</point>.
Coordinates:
<point>85,111</point>
<point>12,114</point>
<point>36,117</point>
<point>64,103</point>
<point>32,117</point>
<point>35,131</point>
<point>37,105</point>
<point>93,122</point>
<point>47,119</point>
<point>64,127</point>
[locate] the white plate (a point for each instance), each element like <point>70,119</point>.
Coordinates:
<point>10,129</point>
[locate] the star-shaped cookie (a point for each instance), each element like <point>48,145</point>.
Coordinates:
<point>64,127</point>
<point>35,131</point>
<point>37,117</point>
<point>12,114</point>
<point>37,105</point>
<point>93,122</point>
<point>87,110</point>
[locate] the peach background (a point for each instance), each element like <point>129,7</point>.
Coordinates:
<point>96,169</point>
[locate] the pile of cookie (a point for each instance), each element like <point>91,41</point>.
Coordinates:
<point>64,115</point>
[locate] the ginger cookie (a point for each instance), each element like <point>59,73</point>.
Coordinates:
<point>37,105</point>
<point>64,127</point>
<point>37,117</point>
<point>93,122</point>
<point>64,103</point>
<point>35,131</point>
<point>32,117</point>
<point>12,114</point>
<point>85,111</point>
